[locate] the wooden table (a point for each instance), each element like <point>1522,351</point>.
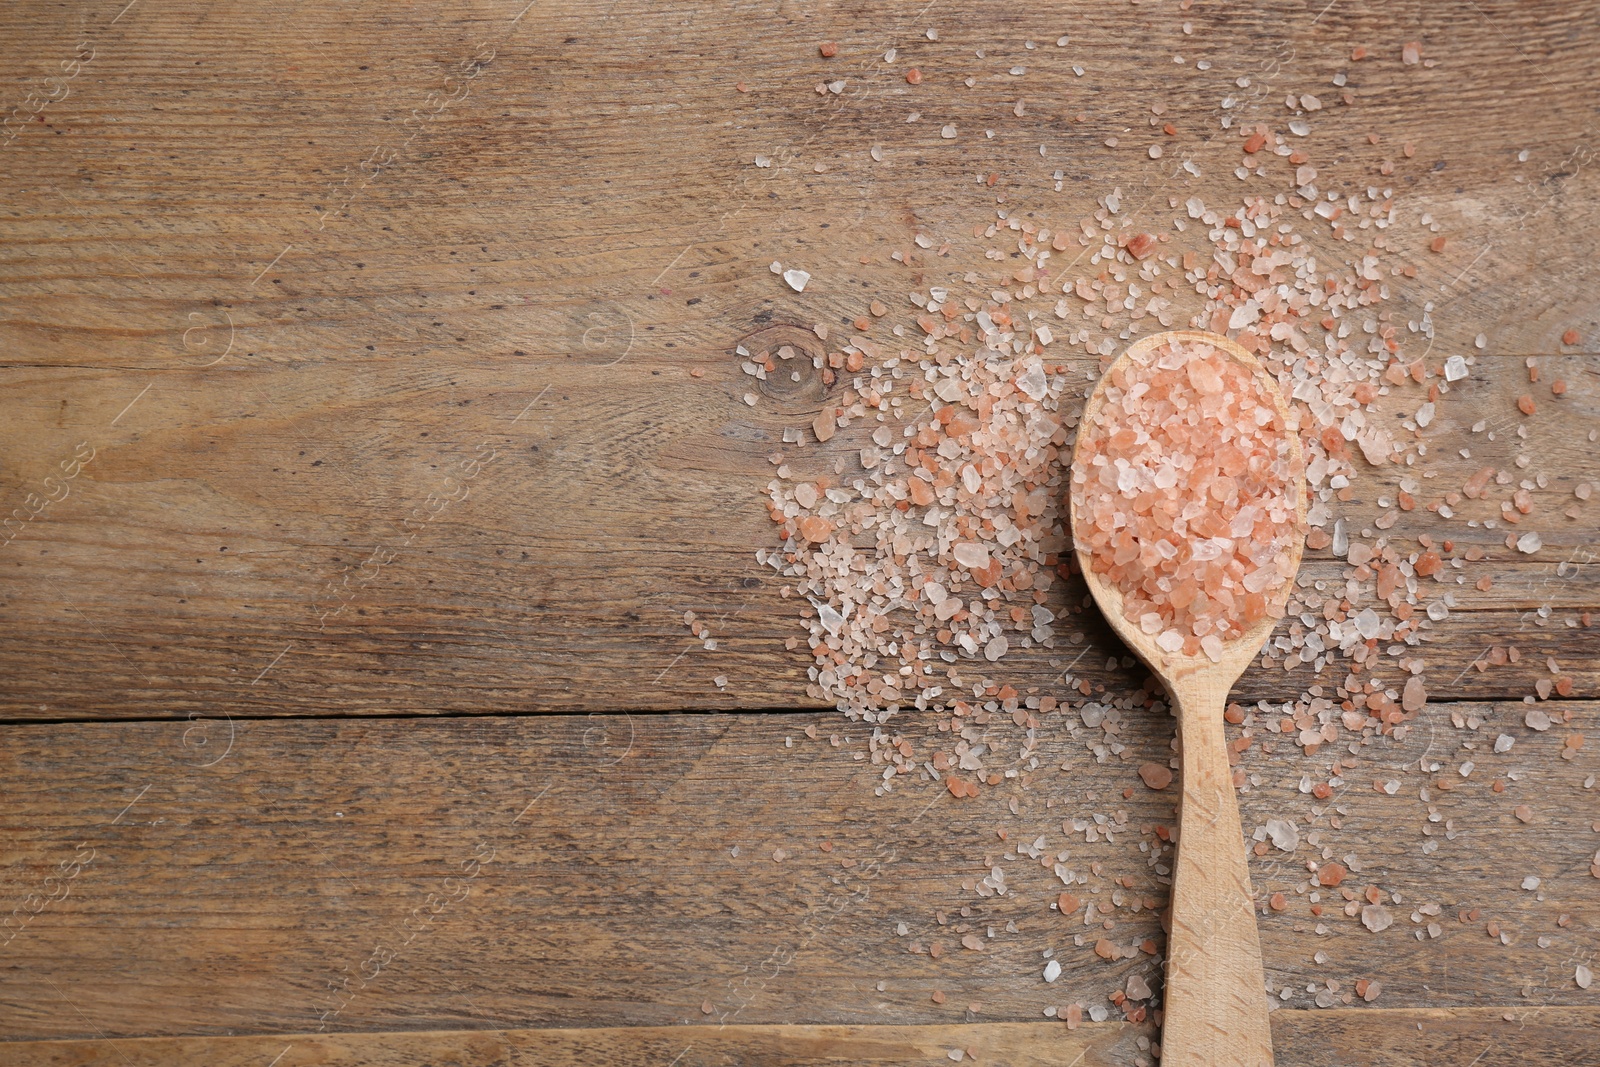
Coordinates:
<point>381,360</point>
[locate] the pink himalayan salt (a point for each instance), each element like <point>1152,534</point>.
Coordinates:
<point>1184,488</point>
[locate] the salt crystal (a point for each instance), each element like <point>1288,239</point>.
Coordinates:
<point>1138,988</point>
<point>1285,835</point>
<point>1425,415</point>
<point>1530,542</point>
<point>1032,380</point>
<point>1376,917</point>
<point>1367,623</point>
<point>1583,976</point>
<point>797,279</point>
<point>995,648</point>
<point>1537,719</point>
<point>1531,882</point>
<point>1052,971</point>
<point>1455,369</point>
<point>970,555</point>
<point>1503,743</point>
<point>1170,641</point>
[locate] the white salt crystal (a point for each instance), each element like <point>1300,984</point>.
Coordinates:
<point>1032,380</point>
<point>1258,580</point>
<point>1052,971</point>
<point>1531,882</point>
<point>1285,835</point>
<point>1425,415</point>
<point>1455,369</point>
<point>1583,976</point>
<point>1376,917</point>
<point>797,279</point>
<point>1367,623</point>
<point>970,555</point>
<point>996,648</point>
<point>1170,641</point>
<point>1504,742</point>
<point>1530,542</point>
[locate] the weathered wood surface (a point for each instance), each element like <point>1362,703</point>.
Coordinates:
<point>640,870</point>
<point>319,305</point>
<point>1460,1037</point>
<point>286,271</point>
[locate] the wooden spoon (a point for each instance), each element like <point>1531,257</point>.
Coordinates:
<point>1215,1000</point>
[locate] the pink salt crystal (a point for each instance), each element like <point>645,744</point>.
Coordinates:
<point>1194,524</point>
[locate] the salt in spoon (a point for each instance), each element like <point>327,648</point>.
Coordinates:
<point>1215,1002</point>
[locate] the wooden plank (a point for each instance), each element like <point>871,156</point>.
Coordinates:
<point>1368,1037</point>
<point>270,531</point>
<point>557,871</point>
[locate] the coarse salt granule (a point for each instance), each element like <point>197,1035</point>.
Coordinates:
<point>1185,496</point>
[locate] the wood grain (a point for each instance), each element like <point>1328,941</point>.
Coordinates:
<point>269,529</point>
<point>636,874</point>
<point>1345,1038</point>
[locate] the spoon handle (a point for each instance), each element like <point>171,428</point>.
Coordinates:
<point>1216,1002</point>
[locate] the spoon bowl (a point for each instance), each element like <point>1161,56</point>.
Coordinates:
<point>1215,1000</point>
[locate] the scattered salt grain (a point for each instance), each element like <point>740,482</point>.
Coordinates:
<point>797,279</point>
<point>1052,971</point>
<point>1455,369</point>
<point>1367,623</point>
<point>1530,542</point>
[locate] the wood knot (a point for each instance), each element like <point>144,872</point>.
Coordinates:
<point>787,360</point>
